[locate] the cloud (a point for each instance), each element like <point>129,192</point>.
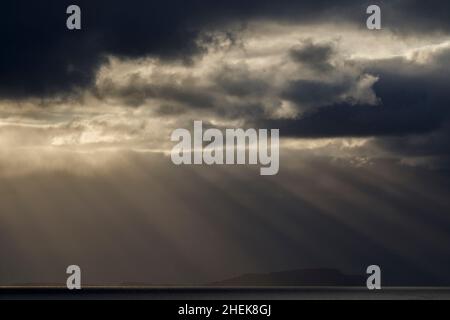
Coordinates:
<point>302,79</point>
<point>411,98</point>
<point>41,58</point>
<point>237,82</point>
<point>315,56</point>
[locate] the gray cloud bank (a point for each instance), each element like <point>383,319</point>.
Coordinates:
<point>40,57</point>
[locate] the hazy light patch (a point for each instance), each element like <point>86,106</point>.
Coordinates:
<point>427,54</point>
<point>309,144</point>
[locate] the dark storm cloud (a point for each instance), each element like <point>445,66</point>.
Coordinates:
<point>315,56</point>
<point>417,16</point>
<point>315,92</point>
<point>345,120</point>
<point>40,57</point>
<point>412,96</point>
<point>413,99</point>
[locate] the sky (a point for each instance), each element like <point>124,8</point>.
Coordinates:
<point>86,117</point>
